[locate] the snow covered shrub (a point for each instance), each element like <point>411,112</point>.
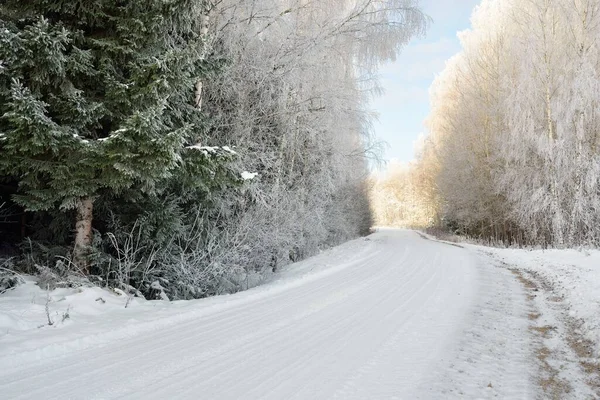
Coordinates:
<point>128,262</point>
<point>148,240</point>
<point>53,267</point>
<point>203,260</point>
<point>9,278</point>
<point>198,260</point>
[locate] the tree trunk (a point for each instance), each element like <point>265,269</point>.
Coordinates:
<point>204,33</point>
<point>199,95</point>
<point>83,234</point>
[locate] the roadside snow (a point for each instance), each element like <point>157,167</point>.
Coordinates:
<point>90,316</point>
<point>575,277</point>
<point>563,292</point>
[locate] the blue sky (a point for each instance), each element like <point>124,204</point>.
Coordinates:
<point>405,104</point>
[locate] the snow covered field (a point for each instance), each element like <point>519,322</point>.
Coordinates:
<point>392,316</point>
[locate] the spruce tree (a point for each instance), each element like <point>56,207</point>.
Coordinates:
<point>97,97</point>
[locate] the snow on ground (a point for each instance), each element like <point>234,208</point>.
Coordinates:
<point>564,287</point>
<point>574,276</point>
<point>495,351</point>
<point>97,316</point>
<point>392,316</point>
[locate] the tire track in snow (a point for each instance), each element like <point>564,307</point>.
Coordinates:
<point>266,334</point>
<point>164,343</point>
<point>494,359</point>
<point>385,325</point>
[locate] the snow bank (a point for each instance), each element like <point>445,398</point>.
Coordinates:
<point>90,316</point>
<point>574,275</point>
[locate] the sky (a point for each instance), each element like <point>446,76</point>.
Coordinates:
<point>404,105</point>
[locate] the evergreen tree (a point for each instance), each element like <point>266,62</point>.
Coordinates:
<point>97,98</point>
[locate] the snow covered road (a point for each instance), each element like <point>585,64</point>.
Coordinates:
<point>394,316</point>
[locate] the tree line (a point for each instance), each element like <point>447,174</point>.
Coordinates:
<point>512,150</point>
<point>182,149</point>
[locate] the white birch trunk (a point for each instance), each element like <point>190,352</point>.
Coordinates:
<point>83,234</point>
<point>199,84</point>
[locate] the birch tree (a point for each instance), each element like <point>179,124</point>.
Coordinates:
<point>514,124</point>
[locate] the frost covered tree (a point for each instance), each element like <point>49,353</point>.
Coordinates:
<point>399,198</point>
<point>513,127</point>
<point>96,98</point>
<point>296,100</point>
<point>121,110</point>
<point>467,121</point>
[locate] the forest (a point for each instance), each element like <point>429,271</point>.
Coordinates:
<point>181,149</point>
<point>196,201</point>
<point>511,152</point>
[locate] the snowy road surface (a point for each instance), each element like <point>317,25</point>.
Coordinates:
<point>395,316</point>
